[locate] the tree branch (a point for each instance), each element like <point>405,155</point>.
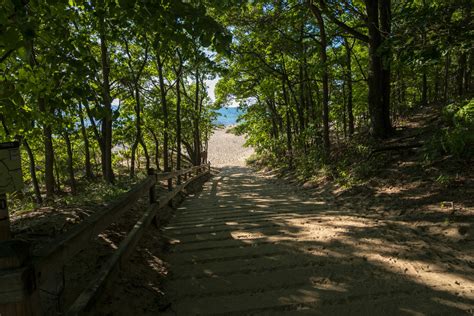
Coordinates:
<point>341,24</point>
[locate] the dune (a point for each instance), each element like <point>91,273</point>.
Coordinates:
<point>227,149</point>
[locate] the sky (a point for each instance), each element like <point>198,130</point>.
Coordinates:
<point>211,86</point>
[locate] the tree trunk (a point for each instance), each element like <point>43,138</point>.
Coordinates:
<point>196,132</point>
<point>350,114</point>
<point>87,158</point>
<point>447,64</point>
<point>58,177</point>
<point>436,86</point>
<point>325,77</point>
<point>424,89</point>
<point>385,11</point>
<point>34,178</point>
<point>98,138</point>
<point>289,144</point>
<point>157,148</point>
<point>70,164</point>
<point>470,66</point>
<point>379,67</point>
<point>164,107</point>
<point>106,99</point>
<point>178,113</point>
<point>132,154</point>
<point>462,63</point>
<point>48,153</point>
<point>139,134</point>
<point>47,135</point>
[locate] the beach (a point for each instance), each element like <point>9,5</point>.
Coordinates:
<point>226,149</point>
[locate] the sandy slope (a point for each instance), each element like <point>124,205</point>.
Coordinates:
<point>226,149</point>
<point>251,245</point>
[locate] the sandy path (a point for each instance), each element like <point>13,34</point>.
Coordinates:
<point>250,245</point>
<point>226,149</point>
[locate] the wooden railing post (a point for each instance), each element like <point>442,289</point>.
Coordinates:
<point>178,178</point>
<point>18,291</point>
<point>5,233</point>
<point>152,193</point>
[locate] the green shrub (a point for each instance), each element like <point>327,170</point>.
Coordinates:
<point>457,138</point>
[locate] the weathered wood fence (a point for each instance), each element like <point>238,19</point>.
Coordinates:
<point>22,274</point>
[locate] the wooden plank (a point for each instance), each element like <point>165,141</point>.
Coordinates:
<point>18,291</point>
<point>90,295</point>
<point>170,175</point>
<point>97,286</point>
<point>16,285</point>
<point>52,257</point>
<point>174,174</point>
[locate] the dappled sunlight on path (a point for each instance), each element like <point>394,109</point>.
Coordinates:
<point>246,244</point>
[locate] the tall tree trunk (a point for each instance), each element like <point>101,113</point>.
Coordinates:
<point>34,178</point>
<point>87,156</point>
<point>299,110</point>
<point>436,86</point>
<point>424,80</point>
<point>157,148</point>
<point>302,99</point>
<point>470,66</point>
<point>385,11</point>
<point>462,70</point>
<point>139,134</point>
<point>289,143</point>
<point>196,132</point>
<point>133,154</point>
<point>325,77</point>
<point>276,119</point>
<point>47,134</point>
<point>310,100</point>
<point>58,177</point>
<point>379,67</point>
<point>350,114</point>
<point>424,89</point>
<point>70,164</point>
<point>164,107</point>
<point>178,113</point>
<point>48,152</point>
<point>98,137</point>
<point>107,102</point>
<point>447,64</point>
<point>135,91</point>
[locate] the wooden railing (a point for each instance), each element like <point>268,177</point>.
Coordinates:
<point>20,280</point>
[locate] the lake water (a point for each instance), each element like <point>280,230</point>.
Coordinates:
<point>228,116</point>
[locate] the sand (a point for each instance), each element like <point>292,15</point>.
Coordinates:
<point>249,244</point>
<point>226,149</point>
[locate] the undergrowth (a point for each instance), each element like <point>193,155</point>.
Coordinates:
<point>90,193</point>
<point>351,163</point>
<point>456,136</point>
